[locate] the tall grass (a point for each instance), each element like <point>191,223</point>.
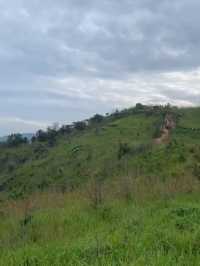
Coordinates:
<point>139,221</point>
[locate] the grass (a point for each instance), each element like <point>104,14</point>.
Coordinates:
<point>80,203</point>
<point>74,159</point>
<point>190,117</point>
<point>139,221</point>
<point>120,232</point>
<point>23,169</point>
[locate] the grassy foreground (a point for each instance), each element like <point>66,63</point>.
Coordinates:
<point>62,229</point>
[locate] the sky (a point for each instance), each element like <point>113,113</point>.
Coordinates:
<point>65,60</point>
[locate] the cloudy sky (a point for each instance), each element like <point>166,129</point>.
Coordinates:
<point>65,60</point>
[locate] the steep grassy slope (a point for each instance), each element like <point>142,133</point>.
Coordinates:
<point>73,158</point>
<point>115,147</point>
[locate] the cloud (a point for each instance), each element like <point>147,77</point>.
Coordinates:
<point>15,124</point>
<point>67,59</point>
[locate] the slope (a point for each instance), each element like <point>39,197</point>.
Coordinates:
<point>120,145</point>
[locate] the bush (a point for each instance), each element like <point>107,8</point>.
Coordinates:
<point>123,150</point>
<point>65,130</point>
<point>80,125</point>
<point>97,119</point>
<point>40,136</point>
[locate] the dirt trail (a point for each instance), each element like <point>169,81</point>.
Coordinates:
<point>165,130</point>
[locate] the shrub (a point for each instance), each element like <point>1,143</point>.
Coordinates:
<point>97,118</point>
<point>80,125</point>
<point>123,150</point>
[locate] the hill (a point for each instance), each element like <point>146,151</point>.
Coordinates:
<point>120,143</point>
<point>122,189</point>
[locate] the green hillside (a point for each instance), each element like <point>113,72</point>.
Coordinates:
<point>122,189</point>
<point>121,140</point>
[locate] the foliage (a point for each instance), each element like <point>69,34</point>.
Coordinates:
<point>123,150</point>
<point>97,118</point>
<point>81,125</point>
<point>63,155</point>
<point>15,140</point>
<point>77,197</point>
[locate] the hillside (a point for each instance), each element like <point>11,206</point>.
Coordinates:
<point>121,143</point>
<point>122,189</point>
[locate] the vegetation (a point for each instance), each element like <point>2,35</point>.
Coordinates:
<point>103,192</point>
<point>15,140</point>
<point>158,226</point>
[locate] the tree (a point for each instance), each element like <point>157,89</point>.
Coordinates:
<point>139,106</point>
<point>41,135</point>
<point>80,125</point>
<point>97,118</point>
<point>52,134</point>
<point>16,140</point>
<point>65,130</point>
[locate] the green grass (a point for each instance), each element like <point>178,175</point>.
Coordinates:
<point>96,149</point>
<point>191,117</point>
<point>164,232</point>
<point>75,159</point>
<point>150,208</point>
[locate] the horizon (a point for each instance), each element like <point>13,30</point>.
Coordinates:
<point>79,58</point>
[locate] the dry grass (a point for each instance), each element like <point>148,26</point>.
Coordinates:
<point>137,189</point>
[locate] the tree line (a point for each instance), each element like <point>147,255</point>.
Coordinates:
<point>51,134</point>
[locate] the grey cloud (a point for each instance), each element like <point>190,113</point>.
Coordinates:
<point>108,36</point>
<point>83,56</point>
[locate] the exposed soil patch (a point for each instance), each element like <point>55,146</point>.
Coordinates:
<point>165,130</point>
